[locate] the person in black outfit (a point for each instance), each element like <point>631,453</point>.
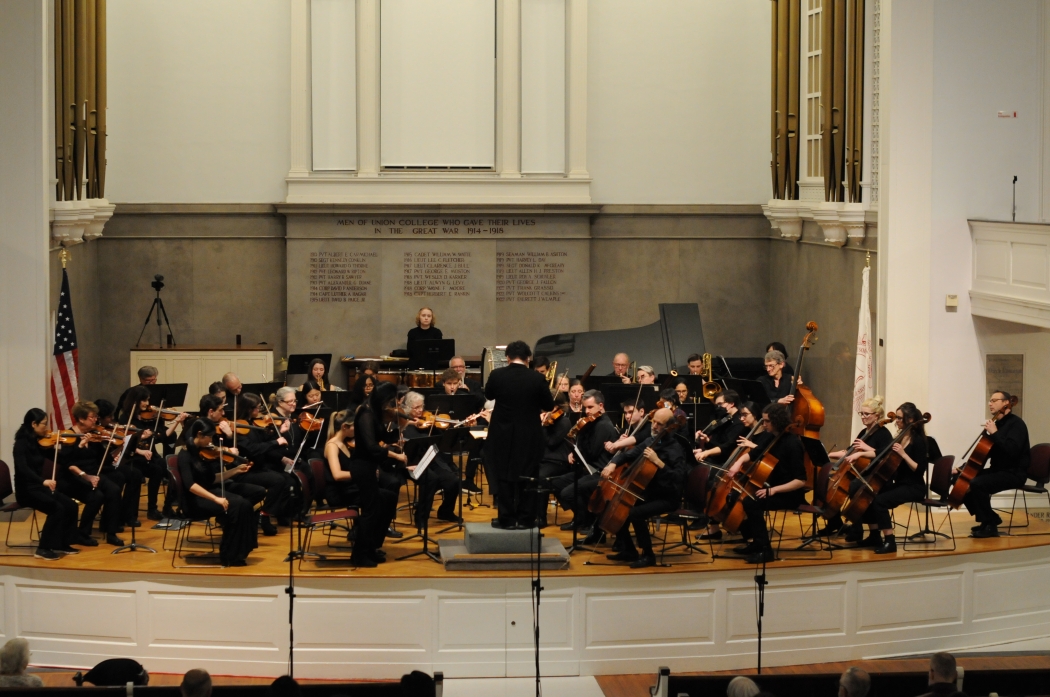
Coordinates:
<point>777,346</point>
<point>118,467</point>
<point>424,329</point>
<point>590,441</point>
<point>78,478</point>
<point>872,440</point>
<point>907,485</point>
<point>515,442</point>
<point>663,493</point>
<point>316,373</point>
<point>785,487</point>
<point>776,381</point>
<point>556,448</point>
<point>35,487</point>
<point>715,447</point>
<point>377,504</point>
<point>1008,464</point>
<point>143,457</point>
<point>268,449</point>
<point>207,490</point>
<point>459,365</point>
<point>943,676</point>
<point>340,489</point>
<point>439,475</point>
<point>147,376</point>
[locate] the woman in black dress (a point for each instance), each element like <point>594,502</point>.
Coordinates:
<point>317,373</point>
<point>424,329</point>
<point>206,493</point>
<point>35,486</point>
<point>143,453</point>
<point>368,456</point>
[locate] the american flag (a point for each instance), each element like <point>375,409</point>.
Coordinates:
<point>65,369</point>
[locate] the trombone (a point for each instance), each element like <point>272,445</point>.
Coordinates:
<point>552,372</point>
<point>710,388</point>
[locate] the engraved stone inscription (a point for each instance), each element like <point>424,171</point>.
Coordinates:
<point>437,227</point>
<point>340,277</point>
<point>530,276</point>
<point>436,274</point>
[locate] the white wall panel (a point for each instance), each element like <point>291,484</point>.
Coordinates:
<point>438,83</point>
<point>625,619</point>
<point>1002,592</point>
<point>543,86</point>
<point>230,620</point>
<point>333,84</point>
<point>476,623</point>
<point>393,622</point>
<point>66,614</point>
<point>909,602</point>
<point>790,611</point>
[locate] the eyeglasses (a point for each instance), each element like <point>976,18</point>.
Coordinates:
<point>866,413</point>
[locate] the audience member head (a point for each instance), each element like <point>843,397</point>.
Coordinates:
<point>854,683</point>
<point>285,686</point>
<point>742,687</point>
<point>417,684</point>
<point>14,657</point>
<point>942,668</point>
<point>196,683</point>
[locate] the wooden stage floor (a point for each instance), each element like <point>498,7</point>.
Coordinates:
<point>267,560</point>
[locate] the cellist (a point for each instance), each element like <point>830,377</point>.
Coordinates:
<point>785,487</point>
<point>663,494</point>
<point>908,484</point>
<point>1008,467</point>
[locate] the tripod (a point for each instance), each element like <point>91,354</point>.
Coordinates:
<point>760,601</point>
<point>157,305</point>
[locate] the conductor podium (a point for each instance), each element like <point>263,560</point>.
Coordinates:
<point>484,547</point>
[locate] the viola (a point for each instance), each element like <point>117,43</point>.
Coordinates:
<point>877,474</point>
<point>980,449</point>
<point>580,423</point>
<point>842,475</point>
<point>165,414</point>
<point>727,502</point>
<point>552,416</point>
<point>808,411</point>
<point>615,497</point>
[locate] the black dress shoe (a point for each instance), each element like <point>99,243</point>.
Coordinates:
<point>872,540</point>
<point>112,539</point>
<point>86,541</point>
<point>239,562</point>
<point>133,524</point>
<point>363,561</point>
<point>975,528</point>
<point>66,549</point>
<point>390,532</point>
<point>450,518</point>
<point>855,535</point>
<point>889,546</point>
<point>154,514</point>
<point>567,527</point>
<point>268,528</point>
<point>830,529</point>
<point>749,548</point>
<point>644,561</point>
<point>587,531</point>
<point>471,487</point>
<point>716,535</point>
<point>762,556</point>
<point>627,555</point>
<point>986,531</point>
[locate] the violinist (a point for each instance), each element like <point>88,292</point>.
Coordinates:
<point>555,461</point>
<point>621,368</point>
<point>35,487</point>
<point>459,365</point>
<point>515,443</point>
<point>232,385</point>
<point>284,411</point>
<point>872,439</point>
<point>785,487</point>
<point>340,489</point>
<point>217,389</point>
<point>776,381</point>
<point>716,444</point>
<point>209,490</point>
<point>1008,468</point>
<point>256,445</point>
<point>663,493</point>
<point>439,474</point>
<point>591,444</point>
<point>424,329</point>
<point>368,457</point>
<point>316,372</point>
<point>118,468</point>
<point>908,484</point>
<point>78,478</point>
<point>562,383</point>
<point>144,456</point>
<point>743,421</point>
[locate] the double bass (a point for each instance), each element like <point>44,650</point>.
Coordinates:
<point>980,449</point>
<point>877,474</point>
<point>807,410</point>
<point>613,499</point>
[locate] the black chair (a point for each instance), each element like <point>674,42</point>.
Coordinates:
<point>1039,474</point>
<point>810,534</point>
<point>10,509</point>
<point>940,484</point>
<point>695,490</point>
<point>186,521</point>
<point>320,517</point>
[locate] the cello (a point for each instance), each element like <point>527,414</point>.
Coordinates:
<point>979,450</point>
<point>844,473</point>
<point>613,499</point>
<point>877,474</point>
<point>807,410</point>
<point>727,502</point>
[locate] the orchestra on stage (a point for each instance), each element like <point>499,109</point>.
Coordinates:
<point>615,455</point>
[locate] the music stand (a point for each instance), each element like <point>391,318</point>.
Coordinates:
<point>299,363</point>
<point>262,389</point>
<point>457,406</point>
<point>598,382</point>
<point>748,390</point>
<point>415,448</point>
<point>431,355</point>
<point>172,394</point>
<point>694,382</point>
<point>818,456</point>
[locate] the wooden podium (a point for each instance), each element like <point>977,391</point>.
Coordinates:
<point>200,366</point>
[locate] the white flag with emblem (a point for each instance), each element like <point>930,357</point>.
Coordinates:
<point>864,373</point>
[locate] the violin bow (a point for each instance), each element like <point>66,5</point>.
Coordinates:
<point>222,467</point>
<point>156,424</point>
<point>235,400</point>
<point>109,441</point>
<point>54,462</point>
<point>317,410</point>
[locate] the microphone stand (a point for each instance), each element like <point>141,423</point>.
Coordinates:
<point>760,598</point>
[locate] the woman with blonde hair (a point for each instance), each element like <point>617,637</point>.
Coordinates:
<point>425,329</point>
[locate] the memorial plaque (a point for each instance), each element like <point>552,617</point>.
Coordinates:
<point>1005,371</point>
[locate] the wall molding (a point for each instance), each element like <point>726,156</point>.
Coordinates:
<point>840,222</point>
<point>1010,273</point>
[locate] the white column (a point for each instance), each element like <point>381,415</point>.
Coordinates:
<point>368,88</point>
<point>508,88</point>
<point>301,144</point>
<point>576,88</point>
<point>905,199</point>
<point>26,148</point>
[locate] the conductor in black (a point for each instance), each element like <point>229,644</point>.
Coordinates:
<point>515,441</point>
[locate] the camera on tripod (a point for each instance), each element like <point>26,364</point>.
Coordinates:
<point>158,283</point>
<point>158,306</point>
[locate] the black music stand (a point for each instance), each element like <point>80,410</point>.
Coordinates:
<point>818,455</point>
<point>694,382</point>
<point>415,448</point>
<point>299,364</point>
<point>458,406</point>
<point>748,390</point>
<point>172,394</point>
<point>598,382</point>
<point>431,355</point>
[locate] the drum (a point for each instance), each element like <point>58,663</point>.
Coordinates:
<point>391,376</point>
<point>419,378</point>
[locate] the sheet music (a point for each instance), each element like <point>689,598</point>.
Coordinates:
<point>424,461</point>
<point>590,470</point>
<point>479,434</point>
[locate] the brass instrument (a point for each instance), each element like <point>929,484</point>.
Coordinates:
<point>711,389</point>
<point>552,372</point>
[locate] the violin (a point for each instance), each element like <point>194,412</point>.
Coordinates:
<point>843,473</point>
<point>211,454</point>
<point>241,426</point>
<point>979,450</point>
<point>877,474</point>
<point>165,414</point>
<point>552,416</point>
<point>615,496</point>
<point>59,437</point>
<point>578,426</point>
<point>726,505</point>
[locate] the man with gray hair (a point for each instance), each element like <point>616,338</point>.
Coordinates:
<point>147,376</point>
<point>439,473</point>
<point>14,659</point>
<point>943,675</point>
<point>854,683</point>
